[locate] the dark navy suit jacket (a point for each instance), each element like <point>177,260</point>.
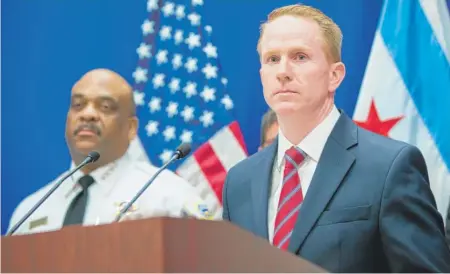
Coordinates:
<point>369,207</point>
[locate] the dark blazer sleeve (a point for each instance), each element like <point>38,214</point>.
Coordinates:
<point>412,230</point>
<point>447,230</point>
<point>225,212</point>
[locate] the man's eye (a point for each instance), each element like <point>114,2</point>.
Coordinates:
<point>300,56</point>
<point>76,104</point>
<point>273,59</point>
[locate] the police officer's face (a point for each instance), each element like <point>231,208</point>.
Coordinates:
<point>100,116</point>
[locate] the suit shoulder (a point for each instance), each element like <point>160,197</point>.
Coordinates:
<point>248,163</point>
<point>383,145</point>
<point>385,152</point>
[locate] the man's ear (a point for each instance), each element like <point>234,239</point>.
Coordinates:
<point>134,125</point>
<point>337,75</point>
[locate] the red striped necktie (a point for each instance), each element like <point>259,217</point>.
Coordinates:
<point>291,198</point>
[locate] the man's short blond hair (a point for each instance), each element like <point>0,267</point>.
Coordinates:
<point>332,34</point>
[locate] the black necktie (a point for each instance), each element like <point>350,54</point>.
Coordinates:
<point>75,213</point>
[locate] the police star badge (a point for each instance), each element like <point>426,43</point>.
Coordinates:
<point>120,205</point>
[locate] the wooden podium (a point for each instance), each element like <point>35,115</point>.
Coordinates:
<point>149,245</point>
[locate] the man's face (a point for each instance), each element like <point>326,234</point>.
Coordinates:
<point>270,135</point>
<point>295,72</point>
<point>99,117</point>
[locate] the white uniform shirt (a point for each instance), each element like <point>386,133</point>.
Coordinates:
<point>312,145</point>
<point>115,184</point>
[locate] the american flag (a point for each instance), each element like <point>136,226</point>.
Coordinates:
<point>181,96</point>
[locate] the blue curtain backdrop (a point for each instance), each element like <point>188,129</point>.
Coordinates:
<point>48,44</point>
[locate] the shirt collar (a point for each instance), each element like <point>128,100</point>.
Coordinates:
<point>104,176</point>
<point>313,143</point>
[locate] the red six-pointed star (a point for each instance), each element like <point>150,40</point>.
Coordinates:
<point>374,124</point>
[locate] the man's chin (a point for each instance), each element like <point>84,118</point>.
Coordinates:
<point>85,146</point>
<point>286,108</point>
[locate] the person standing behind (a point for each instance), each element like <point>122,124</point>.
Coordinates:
<point>102,117</point>
<point>269,129</point>
<point>339,196</point>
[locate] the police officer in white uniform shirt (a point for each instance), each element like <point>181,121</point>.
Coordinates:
<point>102,117</point>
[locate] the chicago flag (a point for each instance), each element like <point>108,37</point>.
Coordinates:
<point>405,93</point>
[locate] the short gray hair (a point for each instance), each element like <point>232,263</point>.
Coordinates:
<point>267,121</point>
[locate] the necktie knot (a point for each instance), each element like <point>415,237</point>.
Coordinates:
<point>86,181</point>
<point>295,156</point>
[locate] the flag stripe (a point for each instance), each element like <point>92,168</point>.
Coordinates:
<point>191,171</point>
<point>236,130</point>
<point>417,69</point>
<point>228,154</point>
<point>211,167</point>
<point>438,15</point>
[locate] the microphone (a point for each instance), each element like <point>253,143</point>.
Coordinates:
<point>92,157</point>
<point>182,151</point>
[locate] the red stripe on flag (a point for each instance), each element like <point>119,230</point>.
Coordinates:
<point>211,167</point>
<point>236,130</point>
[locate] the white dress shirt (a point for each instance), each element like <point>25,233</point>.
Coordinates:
<point>312,145</point>
<point>115,184</point>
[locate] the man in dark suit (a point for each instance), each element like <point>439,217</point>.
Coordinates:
<point>337,195</point>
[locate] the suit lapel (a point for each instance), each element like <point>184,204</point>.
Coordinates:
<point>260,189</point>
<point>333,165</point>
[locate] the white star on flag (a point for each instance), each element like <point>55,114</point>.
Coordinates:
<point>165,156</point>
<point>138,98</point>
<point>168,9</point>
<point>161,57</point>
<point>140,75</point>
<point>191,64</point>
<point>154,104</point>
<point>210,71</point>
<point>226,101</point>
<point>207,118</point>
<point>172,109</point>
<point>152,5</point>
<point>208,94</point>
<point>165,33</point>
<point>193,40</point>
<point>158,80</point>
<point>186,136</point>
<point>179,13</point>
<point>174,85</point>
<point>152,128</point>
<point>177,61</point>
<point>178,36</point>
<point>197,2</point>
<point>194,18</point>
<point>188,113</point>
<point>210,50</point>
<point>169,133</point>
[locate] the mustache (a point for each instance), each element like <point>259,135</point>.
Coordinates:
<point>91,127</point>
